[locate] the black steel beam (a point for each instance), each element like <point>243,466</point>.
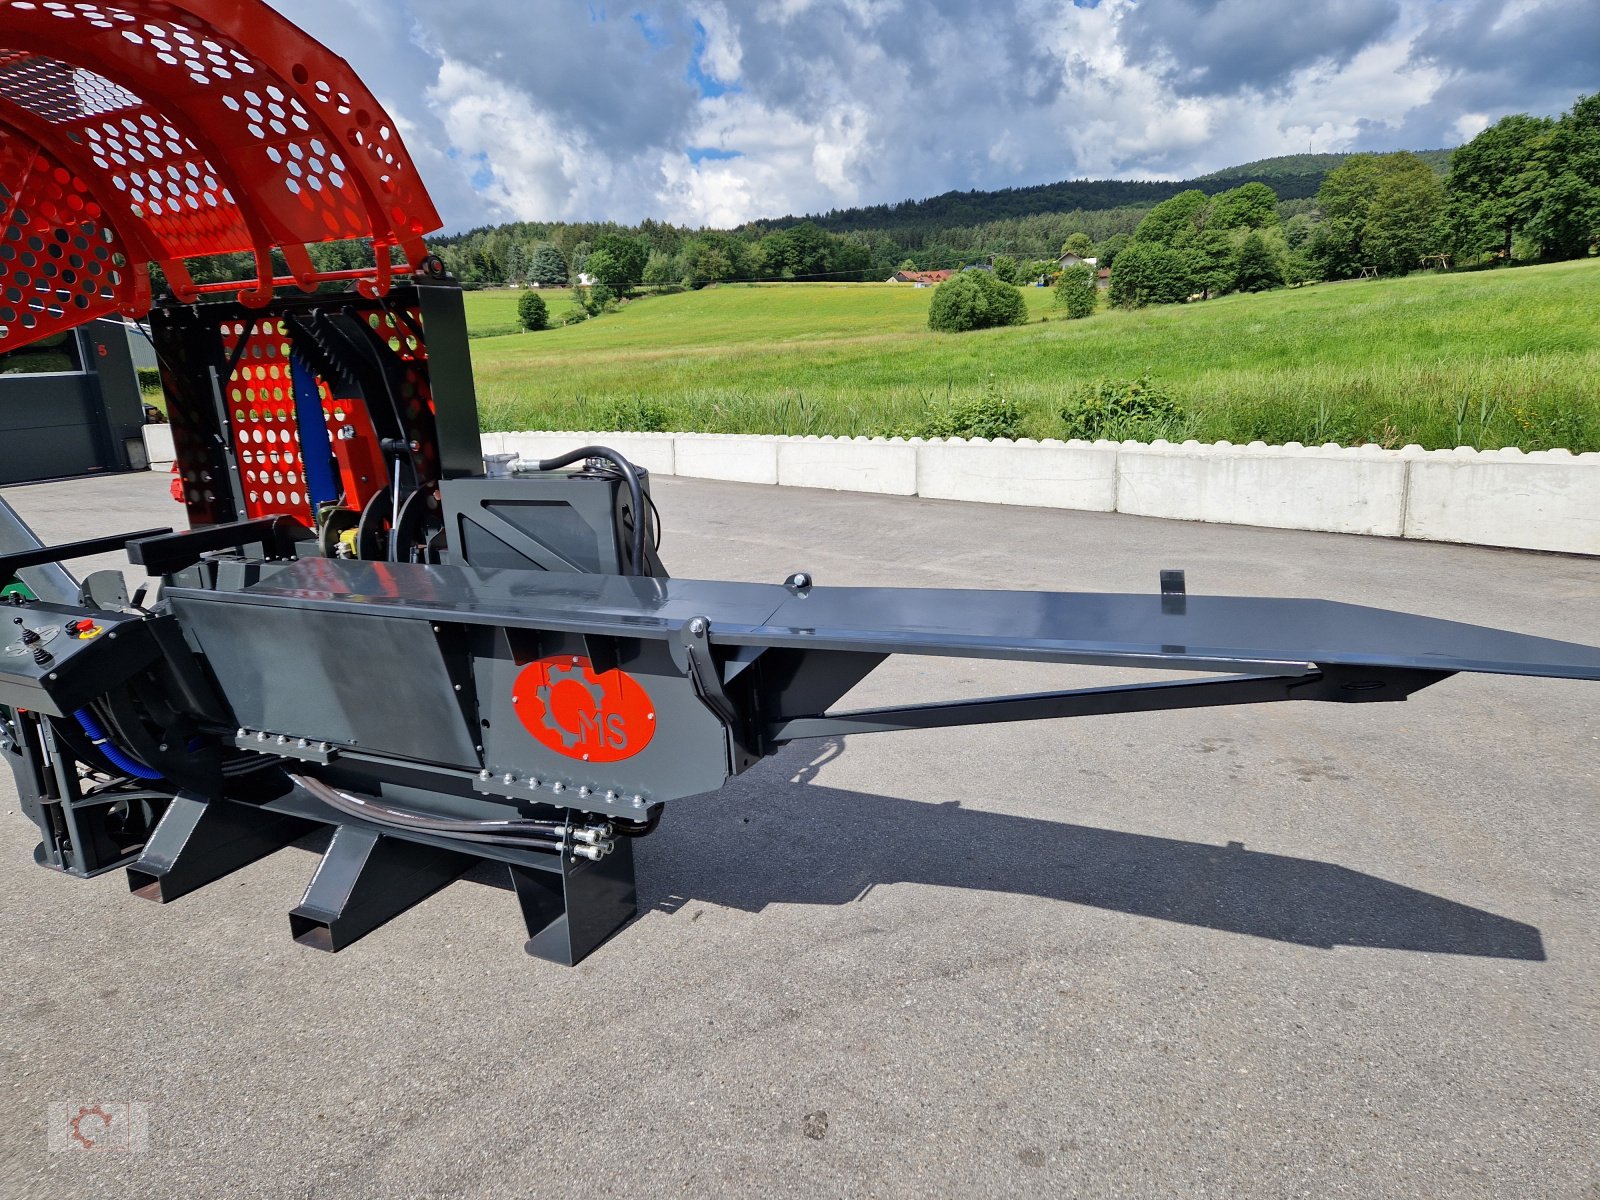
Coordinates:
<point>365,879</point>
<point>199,841</point>
<point>571,912</point>
<point>1339,686</point>
<point>10,564</point>
<point>167,552</point>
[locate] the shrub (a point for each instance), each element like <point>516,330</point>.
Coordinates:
<point>975,300</point>
<point>988,415</point>
<point>34,362</point>
<point>1076,291</point>
<point>532,313</point>
<point>633,414</point>
<point>574,315</point>
<point>149,379</point>
<point>1120,409</point>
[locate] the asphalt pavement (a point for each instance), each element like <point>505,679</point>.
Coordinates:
<point>1298,950</point>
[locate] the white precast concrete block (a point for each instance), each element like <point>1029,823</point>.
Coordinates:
<point>849,464</point>
<point>736,457</point>
<point>1048,474</point>
<point>1547,500</point>
<point>158,445</point>
<point>493,443</point>
<point>652,451</point>
<point>1331,488</point>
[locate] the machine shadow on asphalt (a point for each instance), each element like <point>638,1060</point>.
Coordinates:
<point>789,824</point>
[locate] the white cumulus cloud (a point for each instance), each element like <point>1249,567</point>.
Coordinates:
<point>720,111</point>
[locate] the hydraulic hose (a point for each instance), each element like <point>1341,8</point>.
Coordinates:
<point>635,492</point>
<point>115,754</point>
<point>529,834</point>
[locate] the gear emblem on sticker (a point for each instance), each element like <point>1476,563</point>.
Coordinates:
<point>569,707</point>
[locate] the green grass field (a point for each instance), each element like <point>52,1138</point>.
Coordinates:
<point>1491,359</point>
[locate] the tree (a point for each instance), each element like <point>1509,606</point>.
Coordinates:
<point>1347,191</point>
<point>713,258</point>
<point>579,259</point>
<point>1255,266</point>
<point>1299,269</point>
<point>1005,267</point>
<point>1114,245</point>
<point>1249,206</point>
<point>811,250</point>
<point>1150,274</point>
<point>975,300</point>
<point>850,258</point>
<point>608,272</point>
<point>1345,199</point>
<point>1209,258</point>
<point>547,266</point>
<point>1403,219</point>
<point>1564,179</point>
<point>531,312</point>
<point>1076,291</point>
<point>516,261</point>
<point>661,269</point>
<point>1297,230</point>
<point>1079,244</point>
<point>623,262</point>
<point>1489,194</point>
<point>775,256</point>
<point>1168,221</point>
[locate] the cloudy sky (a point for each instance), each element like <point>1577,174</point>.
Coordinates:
<point>718,111</point>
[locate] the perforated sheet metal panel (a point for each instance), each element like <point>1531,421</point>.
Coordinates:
<point>198,128</point>
<point>261,407</point>
<point>260,398</point>
<point>60,263</point>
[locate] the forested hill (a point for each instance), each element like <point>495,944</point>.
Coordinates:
<point>1291,176</point>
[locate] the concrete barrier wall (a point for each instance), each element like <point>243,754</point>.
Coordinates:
<point>1549,500</point>
<point>1337,489</point>
<point>1046,474</point>
<point>158,445</point>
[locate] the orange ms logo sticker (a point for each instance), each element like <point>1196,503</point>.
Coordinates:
<point>571,709</point>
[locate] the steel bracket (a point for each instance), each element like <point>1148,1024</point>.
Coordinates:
<point>365,879</point>
<point>198,841</point>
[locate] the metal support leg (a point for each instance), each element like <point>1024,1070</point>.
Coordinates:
<point>365,879</point>
<point>571,911</point>
<point>198,841</point>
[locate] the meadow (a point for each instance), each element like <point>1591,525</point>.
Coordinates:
<point>1489,359</point>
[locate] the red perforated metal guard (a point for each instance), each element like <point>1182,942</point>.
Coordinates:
<point>261,408</point>
<point>186,129</point>
<point>60,263</point>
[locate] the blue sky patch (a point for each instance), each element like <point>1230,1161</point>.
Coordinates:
<point>656,36</point>
<point>708,86</point>
<point>483,173</point>
<point>700,154</point>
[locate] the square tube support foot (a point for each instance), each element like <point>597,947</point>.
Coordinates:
<point>365,879</point>
<point>570,912</point>
<point>198,841</point>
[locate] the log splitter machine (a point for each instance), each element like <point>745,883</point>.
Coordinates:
<point>365,631</point>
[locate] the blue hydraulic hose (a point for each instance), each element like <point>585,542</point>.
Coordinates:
<point>118,757</point>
